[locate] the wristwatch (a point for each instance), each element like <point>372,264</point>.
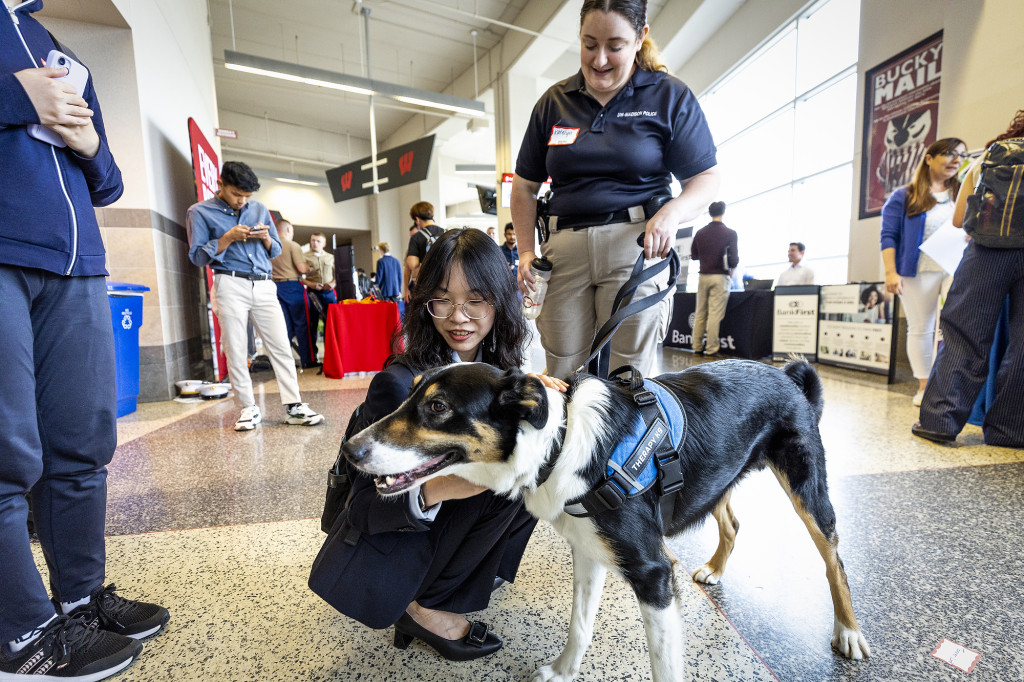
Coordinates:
<point>421,501</point>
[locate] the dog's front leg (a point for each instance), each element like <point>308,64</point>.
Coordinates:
<point>665,641</point>
<point>588,584</point>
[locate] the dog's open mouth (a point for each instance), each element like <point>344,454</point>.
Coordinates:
<point>396,483</point>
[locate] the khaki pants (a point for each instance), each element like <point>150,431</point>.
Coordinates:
<point>588,268</point>
<point>235,300</point>
<point>712,297</point>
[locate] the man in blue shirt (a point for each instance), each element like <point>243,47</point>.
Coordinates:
<point>236,238</point>
<point>509,250</point>
<point>389,274</point>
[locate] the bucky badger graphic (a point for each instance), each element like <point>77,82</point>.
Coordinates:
<point>904,148</point>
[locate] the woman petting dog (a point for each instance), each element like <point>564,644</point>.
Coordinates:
<point>421,560</point>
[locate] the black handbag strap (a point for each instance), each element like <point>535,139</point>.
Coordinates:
<point>600,351</point>
<point>64,48</point>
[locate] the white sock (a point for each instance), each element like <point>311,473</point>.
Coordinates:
<point>30,636</point>
<point>68,607</point>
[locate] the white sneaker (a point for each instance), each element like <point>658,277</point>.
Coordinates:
<point>249,418</point>
<point>301,415</point>
<point>918,397</point>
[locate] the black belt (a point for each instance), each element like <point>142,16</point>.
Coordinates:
<point>293,279</point>
<point>578,222</point>
<point>566,222</point>
<point>251,276</point>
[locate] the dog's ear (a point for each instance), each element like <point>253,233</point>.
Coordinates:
<point>525,395</point>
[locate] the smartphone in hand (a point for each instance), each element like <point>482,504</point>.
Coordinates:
<point>77,76</point>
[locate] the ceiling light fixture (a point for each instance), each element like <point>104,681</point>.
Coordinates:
<point>438,105</point>
<point>297,73</point>
<point>295,181</point>
<point>471,168</point>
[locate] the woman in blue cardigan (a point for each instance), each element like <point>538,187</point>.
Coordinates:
<point>911,215</point>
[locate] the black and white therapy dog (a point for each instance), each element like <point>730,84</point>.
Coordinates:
<point>503,429</point>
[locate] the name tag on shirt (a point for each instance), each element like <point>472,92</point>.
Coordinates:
<point>562,136</point>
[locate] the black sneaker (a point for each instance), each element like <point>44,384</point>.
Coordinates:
<point>68,649</point>
<point>113,613</point>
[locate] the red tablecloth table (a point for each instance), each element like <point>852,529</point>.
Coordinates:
<point>357,336</point>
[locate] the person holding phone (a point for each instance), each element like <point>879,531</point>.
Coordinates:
<point>58,402</point>
<point>236,238</point>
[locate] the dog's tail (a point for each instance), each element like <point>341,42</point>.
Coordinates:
<point>804,376</point>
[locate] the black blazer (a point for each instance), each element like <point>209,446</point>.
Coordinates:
<point>378,556</point>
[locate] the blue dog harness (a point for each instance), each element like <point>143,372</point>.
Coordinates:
<point>647,456</point>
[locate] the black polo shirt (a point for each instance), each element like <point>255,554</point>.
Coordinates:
<point>419,244</point>
<point>604,159</point>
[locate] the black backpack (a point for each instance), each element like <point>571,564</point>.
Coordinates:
<point>995,212</point>
<point>341,476</point>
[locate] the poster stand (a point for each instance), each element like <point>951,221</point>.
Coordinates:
<point>856,327</point>
<point>795,323</point>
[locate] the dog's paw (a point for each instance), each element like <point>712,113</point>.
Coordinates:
<point>849,642</point>
<point>707,574</point>
<point>548,673</point>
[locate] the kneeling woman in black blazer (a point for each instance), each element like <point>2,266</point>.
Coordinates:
<point>425,559</point>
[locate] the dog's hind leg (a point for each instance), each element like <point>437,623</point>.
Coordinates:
<point>588,583</point>
<point>711,572</point>
<point>811,502</point>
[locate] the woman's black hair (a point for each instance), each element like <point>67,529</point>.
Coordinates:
<point>486,272</point>
<point>866,294</point>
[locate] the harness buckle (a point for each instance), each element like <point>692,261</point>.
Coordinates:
<point>645,398</point>
<point>670,478</point>
<point>609,496</point>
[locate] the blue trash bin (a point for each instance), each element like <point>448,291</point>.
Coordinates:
<point>126,318</point>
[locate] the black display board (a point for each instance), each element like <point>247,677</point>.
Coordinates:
<point>746,329</point>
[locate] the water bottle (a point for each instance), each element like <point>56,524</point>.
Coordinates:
<point>532,302</point>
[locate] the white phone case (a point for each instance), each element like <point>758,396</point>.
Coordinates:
<point>77,76</point>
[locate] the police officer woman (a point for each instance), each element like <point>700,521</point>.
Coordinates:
<point>610,137</point>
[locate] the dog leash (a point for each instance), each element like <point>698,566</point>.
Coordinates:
<point>600,351</point>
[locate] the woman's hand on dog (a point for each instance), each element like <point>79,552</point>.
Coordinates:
<point>448,488</point>
<point>550,382</point>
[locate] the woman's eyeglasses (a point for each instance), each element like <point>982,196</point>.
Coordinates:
<point>956,155</point>
<point>443,308</point>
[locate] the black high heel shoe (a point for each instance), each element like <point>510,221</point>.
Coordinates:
<point>477,644</point>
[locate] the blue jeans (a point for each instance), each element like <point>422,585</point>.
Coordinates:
<point>292,296</point>
<point>58,431</point>
<point>325,298</point>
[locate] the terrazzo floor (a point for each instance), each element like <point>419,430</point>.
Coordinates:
<point>222,527</point>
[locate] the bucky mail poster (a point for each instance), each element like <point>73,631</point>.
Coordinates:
<point>901,108</point>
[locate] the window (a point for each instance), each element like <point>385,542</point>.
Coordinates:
<point>784,122</point>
